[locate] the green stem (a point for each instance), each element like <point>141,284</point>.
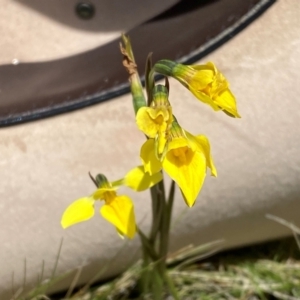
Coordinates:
<point>161,190</point>
<point>145,276</point>
<point>171,286</point>
<point>166,222</point>
<point>164,67</point>
<point>136,87</point>
<point>157,285</point>
<point>163,234</point>
<point>147,246</point>
<point>156,214</point>
<point>170,203</point>
<point>150,83</point>
<point>138,98</point>
<point>164,237</point>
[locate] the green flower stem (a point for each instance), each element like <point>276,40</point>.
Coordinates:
<point>166,220</point>
<point>155,248</point>
<point>171,286</point>
<point>164,239</point>
<point>138,98</point>
<point>145,276</point>
<point>149,84</point>
<point>157,286</point>
<point>170,203</point>
<point>162,228</point>
<point>164,67</point>
<point>151,281</point>
<point>163,234</point>
<point>161,190</point>
<point>156,214</point>
<point>134,78</point>
<point>147,246</point>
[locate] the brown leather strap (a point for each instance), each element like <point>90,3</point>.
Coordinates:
<point>31,91</point>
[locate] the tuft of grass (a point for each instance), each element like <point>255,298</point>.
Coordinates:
<point>269,271</point>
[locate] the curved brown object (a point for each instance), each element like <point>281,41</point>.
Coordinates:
<point>35,90</point>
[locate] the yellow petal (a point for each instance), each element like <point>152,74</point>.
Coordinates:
<point>160,114</point>
<point>204,75</point>
<point>226,101</point>
<point>79,211</point>
<point>101,192</point>
<point>204,143</point>
<point>152,120</point>
<point>197,76</point>
<point>178,142</point>
<point>151,164</point>
<point>204,98</point>
<point>120,213</point>
<point>188,169</point>
<point>139,180</point>
<point>145,123</point>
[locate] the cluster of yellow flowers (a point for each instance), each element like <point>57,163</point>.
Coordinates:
<point>183,156</point>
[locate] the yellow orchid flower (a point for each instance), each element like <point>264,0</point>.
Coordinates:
<point>156,120</point>
<point>185,161</point>
<point>118,210</point>
<point>206,82</point>
<point>139,180</point>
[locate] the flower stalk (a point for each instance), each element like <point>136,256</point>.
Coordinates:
<point>136,87</point>
<point>168,149</point>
